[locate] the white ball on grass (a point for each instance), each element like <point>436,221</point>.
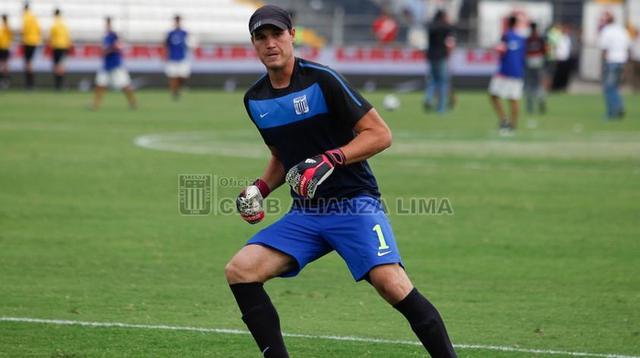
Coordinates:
<point>391,102</point>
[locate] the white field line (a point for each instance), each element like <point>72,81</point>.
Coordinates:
<point>308,336</point>
<point>237,146</point>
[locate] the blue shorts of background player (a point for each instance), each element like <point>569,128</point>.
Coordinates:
<point>357,229</point>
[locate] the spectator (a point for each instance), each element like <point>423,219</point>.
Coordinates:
<point>385,28</point>
<point>60,42</point>
<point>564,63</point>
<point>534,75</point>
<point>615,44</point>
<point>5,49</point>
<point>635,62</point>
<point>31,39</point>
<point>441,44</point>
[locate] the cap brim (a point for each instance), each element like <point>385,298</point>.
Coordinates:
<point>273,22</point>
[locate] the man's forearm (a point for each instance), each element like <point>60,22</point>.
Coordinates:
<point>274,173</point>
<point>366,144</point>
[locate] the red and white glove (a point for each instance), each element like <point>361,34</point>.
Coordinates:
<point>305,177</point>
<point>249,202</point>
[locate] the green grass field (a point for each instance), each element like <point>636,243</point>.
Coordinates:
<point>542,251</point>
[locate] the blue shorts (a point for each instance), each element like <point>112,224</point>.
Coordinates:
<point>357,228</point>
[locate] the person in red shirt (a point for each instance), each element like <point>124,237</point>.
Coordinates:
<point>385,28</point>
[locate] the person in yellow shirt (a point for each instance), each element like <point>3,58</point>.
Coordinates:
<point>60,42</point>
<point>5,46</point>
<point>31,39</point>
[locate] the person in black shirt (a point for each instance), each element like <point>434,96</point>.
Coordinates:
<point>441,44</point>
<point>534,73</point>
<point>320,132</point>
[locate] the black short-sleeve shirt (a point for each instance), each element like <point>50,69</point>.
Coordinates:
<point>315,113</point>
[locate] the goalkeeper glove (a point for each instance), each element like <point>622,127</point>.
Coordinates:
<point>249,202</point>
<point>305,177</point>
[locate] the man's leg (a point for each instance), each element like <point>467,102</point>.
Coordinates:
<point>174,86</point>
<point>515,106</point>
<point>394,286</point>
<point>4,74</point>
<point>429,89</point>
<point>618,103</point>
<point>97,97</point>
<point>497,107</point>
<point>246,273</point>
<point>28,75</point>
<point>608,86</point>
<point>58,74</point>
<point>131,98</point>
<point>443,86</point>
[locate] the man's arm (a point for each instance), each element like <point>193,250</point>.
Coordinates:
<point>373,136</point>
<point>274,172</point>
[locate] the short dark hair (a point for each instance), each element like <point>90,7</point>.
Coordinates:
<point>177,17</point>
<point>5,17</point>
<point>108,20</point>
<point>439,16</point>
<point>511,21</point>
<point>26,5</point>
<point>533,26</point>
<point>56,12</point>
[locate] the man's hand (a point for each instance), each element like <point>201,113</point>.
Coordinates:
<point>249,202</point>
<point>305,177</point>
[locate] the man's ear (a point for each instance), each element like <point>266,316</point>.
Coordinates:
<point>292,31</point>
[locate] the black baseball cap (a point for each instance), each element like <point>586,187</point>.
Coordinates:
<point>270,15</point>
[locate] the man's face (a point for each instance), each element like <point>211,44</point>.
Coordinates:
<point>273,46</point>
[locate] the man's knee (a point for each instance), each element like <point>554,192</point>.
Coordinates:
<point>391,282</point>
<point>237,272</point>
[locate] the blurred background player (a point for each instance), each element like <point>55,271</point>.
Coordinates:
<point>564,47</point>
<point>178,69</point>
<point>534,75</point>
<point>5,50</point>
<point>31,39</point>
<point>113,73</point>
<point>507,83</point>
<point>60,42</point>
<point>441,44</point>
<point>635,61</point>
<point>615,43</point>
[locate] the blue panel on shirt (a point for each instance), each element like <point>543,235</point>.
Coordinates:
<point>113,59</point>
<point>291,108</point>
<point>512,62</point>
<point>177,44</point>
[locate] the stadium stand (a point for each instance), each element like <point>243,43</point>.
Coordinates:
<point>210,21</point>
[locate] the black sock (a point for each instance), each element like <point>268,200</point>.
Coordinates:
<point>261,318</point>
<point>427,324</point>
<point>58,82</point>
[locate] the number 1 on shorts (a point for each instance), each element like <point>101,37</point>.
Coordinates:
<point>383,243</point>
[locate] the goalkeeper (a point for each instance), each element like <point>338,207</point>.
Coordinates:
<point>320,132</point>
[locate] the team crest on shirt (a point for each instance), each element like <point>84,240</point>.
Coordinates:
<point>301,105</point>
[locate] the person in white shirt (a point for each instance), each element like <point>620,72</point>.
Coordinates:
<point>615,43</point>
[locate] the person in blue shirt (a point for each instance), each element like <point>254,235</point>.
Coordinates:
<point>508,82</point>
<point>178,69</point>
<point>320,132</point>
<point>112,73</point>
